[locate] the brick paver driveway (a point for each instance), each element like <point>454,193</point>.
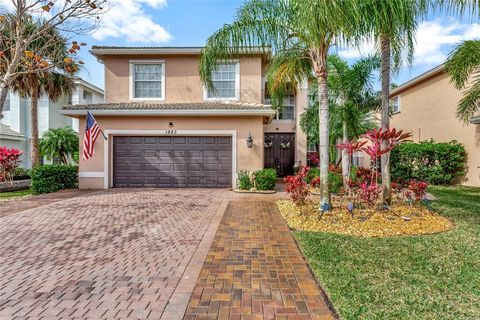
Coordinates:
<point>113,254</point>
<point>254,270</point>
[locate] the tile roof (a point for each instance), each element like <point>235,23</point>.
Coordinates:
<point>197,106</point>
<point>7,131</point>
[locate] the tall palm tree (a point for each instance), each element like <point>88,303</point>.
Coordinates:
<point>392,24</point>
<point>462,65</point>
<point>49,82</point>
<point>300,34</point>
<point>59,143</point>
<point>354,100</point>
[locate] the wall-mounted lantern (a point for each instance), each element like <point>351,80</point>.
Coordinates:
<point>249,141</point>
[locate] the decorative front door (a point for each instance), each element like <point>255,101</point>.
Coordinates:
<point>280,152</point>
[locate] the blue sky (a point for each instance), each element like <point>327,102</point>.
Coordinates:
<point>190,22</point>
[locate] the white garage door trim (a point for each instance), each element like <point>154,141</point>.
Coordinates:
<point>107,160</point>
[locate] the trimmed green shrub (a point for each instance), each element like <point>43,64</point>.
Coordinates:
<point>335,182</point>
<point>266,179</point>
<point>434,162</point>
<point>244,181</point>
<point>53,177</point>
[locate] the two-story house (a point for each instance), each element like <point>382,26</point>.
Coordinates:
<point>16,119</point>
<point>426,106</point>
<point>164,128</point>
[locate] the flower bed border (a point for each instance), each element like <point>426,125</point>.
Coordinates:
<point>255,191</point>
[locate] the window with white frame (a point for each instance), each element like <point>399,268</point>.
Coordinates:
<point>356,158</point>
<point>6,106</point>
<point>311,147</point>
<point>148,80</point>
<point>225,80</point>
<point>287,111</point>
<point>396,104</point>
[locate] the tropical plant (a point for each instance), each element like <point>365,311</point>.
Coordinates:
<point>297,187</point>
<point>300,34</point>
<point>48,81</point>
<point>17,57</point>
<point>392,25</point>
<point>354,100</point>
<point>59,143</point>
<point>9,161</point>
<point>462,65</point>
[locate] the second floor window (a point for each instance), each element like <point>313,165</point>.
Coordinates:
<point>6,107</point>
<point>225,81</point>
<point>396,104</point>
<point>148,80</point>
<point>287,111</point>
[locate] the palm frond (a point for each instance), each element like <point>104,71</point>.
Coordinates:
<point>463,61</point>
<point>469,105</point>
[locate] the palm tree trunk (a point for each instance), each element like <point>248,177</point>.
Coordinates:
<point>34,124</point>
<point>345,159</point>
<point>324,141</point>
<point>385,115</point>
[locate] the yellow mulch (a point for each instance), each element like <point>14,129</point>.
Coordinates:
<point>400,220</point>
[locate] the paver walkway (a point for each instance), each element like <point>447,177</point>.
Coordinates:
<point>117,254</point>
<point>254,270</point>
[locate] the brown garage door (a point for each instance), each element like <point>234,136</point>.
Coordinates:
<point>178,161</point>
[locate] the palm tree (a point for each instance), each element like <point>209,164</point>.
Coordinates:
<point>352,94</point>
<point>48,82</point>
<point>392,24</point>
<point>300,34</point>
<point>59,143</point>
<point>462,65</point>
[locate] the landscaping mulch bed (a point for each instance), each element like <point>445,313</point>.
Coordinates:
<point>401,219</point>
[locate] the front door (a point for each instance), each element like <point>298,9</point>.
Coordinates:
<point>280,152</point>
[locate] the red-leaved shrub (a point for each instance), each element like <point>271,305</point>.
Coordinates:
<point>9,160</point>
<point>297,187</point>
<point>417,189</point>
<point>369,193</point>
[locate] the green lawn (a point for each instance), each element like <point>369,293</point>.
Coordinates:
<point>12,194</point>
<point>421,277</point>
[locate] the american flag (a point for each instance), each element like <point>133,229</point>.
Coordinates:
<point>91,133</point>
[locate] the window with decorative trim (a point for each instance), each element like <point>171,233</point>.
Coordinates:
<point>226,81</point>
<point>147,80</point>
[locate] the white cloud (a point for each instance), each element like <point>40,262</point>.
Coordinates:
<point>434,40</point>
<point>127,19</point>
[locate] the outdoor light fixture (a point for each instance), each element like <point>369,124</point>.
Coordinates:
<point>170,124</point>
<point>250,141</point>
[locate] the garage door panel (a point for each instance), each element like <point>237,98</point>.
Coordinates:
<point>180,161</point>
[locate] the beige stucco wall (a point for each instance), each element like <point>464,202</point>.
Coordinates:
<point>182,80</point>
<point>428,111</point>
<point>247,159</point>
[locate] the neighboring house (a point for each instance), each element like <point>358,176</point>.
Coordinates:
<point>165,129</point>
<point>426,106</point>
<point>16,115</point>
<point>11,139</point>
